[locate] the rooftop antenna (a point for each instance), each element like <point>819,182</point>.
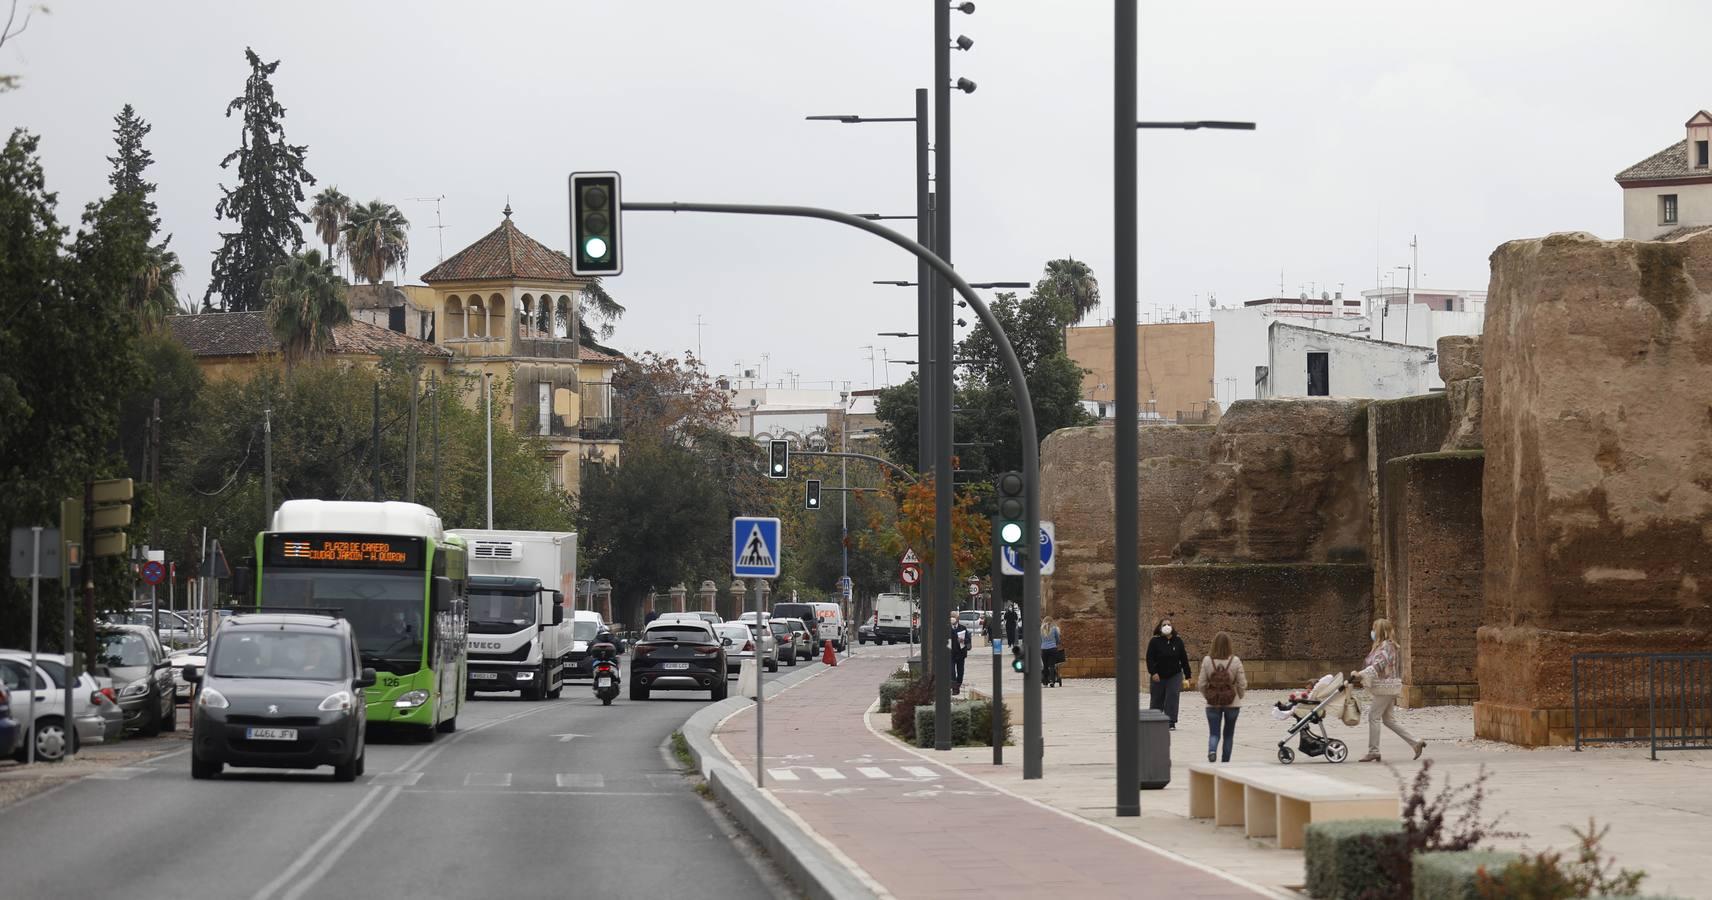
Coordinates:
<point>439,227</point>
<point>699,325</point>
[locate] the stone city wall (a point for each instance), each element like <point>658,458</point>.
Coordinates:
<point>1598,475</point>
<point>1434,564</point>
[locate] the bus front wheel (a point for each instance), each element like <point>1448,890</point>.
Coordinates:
<point>427,733</point>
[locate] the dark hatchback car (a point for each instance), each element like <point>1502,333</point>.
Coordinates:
<point>281,691</point>
<point>680,655</point>
<point>788,641</point>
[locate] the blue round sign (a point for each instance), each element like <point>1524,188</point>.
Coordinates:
<point>154,572</point>
<point>1013,566</point>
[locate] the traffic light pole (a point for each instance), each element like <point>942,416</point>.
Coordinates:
<point>944,571</point>
<point>1128,398</point>
<point>1019,394</point>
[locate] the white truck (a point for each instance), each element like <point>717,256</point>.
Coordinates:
<point>521,597</point>
<point>894,619</point>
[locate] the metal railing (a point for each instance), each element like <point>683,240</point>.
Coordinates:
<point>1663,699</point>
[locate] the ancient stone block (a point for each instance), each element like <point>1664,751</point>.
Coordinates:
<point>1459,357</point>
<point>1289,623</point>
<point>1598,481</point>
<point>1434,564</point>
<point>1286,482</point>
<point>1466,421</point>
<point>1396,428</point>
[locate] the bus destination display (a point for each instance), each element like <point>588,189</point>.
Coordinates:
<point>366,551</point>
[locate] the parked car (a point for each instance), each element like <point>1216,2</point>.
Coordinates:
<point>805,643</point>
<point>193,656</point>
<point>133,657</point>
<point>40,713</point>
<point>281,691</point>
<point>865,633</point>
<point>8,726</point>
<point>787,640</point>
<point>679,655</point>
<point>175,629</point>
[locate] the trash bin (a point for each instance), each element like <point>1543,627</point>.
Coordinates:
<point>1155,749</point>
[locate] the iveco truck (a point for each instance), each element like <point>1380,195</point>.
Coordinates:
<point>519,632</point>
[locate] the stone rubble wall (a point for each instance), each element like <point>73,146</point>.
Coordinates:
<point>1598,478</point>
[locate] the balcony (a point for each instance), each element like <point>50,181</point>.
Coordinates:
<point>545,348</point>
<point>600,429</point>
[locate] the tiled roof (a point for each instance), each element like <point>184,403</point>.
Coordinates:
<point>591,354</point>
<point>247,334</point>
<point>1671,162</point>
<point>505,254</point>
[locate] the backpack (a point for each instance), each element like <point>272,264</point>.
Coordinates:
<point>1220,688</point>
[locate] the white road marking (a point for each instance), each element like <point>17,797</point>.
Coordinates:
<point>784,775</point>
<point>309,853</point>
<point>543,793</point>
<point>873,772</point>
<point>401,779</point>
<point>827,774</point>
<point>335,852</point>
<point>588,780</point>
<point>487,779</point>
<point>921,771</point>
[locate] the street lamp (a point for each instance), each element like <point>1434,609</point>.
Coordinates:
<point>876,217</point>
<point>1125,356</point>
<point>896,334</point>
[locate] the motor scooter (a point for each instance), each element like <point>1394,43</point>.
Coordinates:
<point>606,678</point>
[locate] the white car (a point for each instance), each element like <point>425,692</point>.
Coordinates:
<point>94,709</point>
<point>194,656</point>
<point>739,639</point>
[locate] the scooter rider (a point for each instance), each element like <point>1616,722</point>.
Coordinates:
<point>605,646</point>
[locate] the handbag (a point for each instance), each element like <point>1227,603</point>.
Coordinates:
<point>1351,710</point>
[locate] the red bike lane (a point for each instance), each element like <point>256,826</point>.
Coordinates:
<point>918,828</point>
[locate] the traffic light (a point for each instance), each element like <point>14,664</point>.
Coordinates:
<point>778,459</point>
<point>109,516</point>
<point>1008,525</point>
<point>595,208</point>
<point>812,500</point>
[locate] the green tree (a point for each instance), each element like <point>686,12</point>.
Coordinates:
<point>329,213</point>
<point>375,239</point>
<point>265,203</point>
<point>153,291</point>
<point>68,339</point>
<point>1069,286</point>
<point>306,299</point>
<point>597,306</point>
<point>1035,329</point>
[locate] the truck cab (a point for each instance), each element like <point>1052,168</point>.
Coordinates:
<point>514,636</point>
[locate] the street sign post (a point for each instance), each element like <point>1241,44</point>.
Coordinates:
<point>153,572</point>
<point>755,550</point>
<point>1010,565</point>
<point>909,574</point>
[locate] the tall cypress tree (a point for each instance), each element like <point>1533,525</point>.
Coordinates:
<point>265,204</point>
<point>153,291</point>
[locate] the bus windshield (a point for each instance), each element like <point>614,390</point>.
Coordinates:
<point>384,608</point>
<point>501,613</point>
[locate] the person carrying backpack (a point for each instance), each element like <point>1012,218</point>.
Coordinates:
<point>1223,684</point>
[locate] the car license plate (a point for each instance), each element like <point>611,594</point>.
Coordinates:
<point>603,682</point>
<point>674,665</point>
<point>270,734</point>
<point>483,676</point>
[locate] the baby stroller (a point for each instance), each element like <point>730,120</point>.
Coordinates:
<point>1308,709</point>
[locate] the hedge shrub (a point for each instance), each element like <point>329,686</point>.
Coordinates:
<point>889,691</point>
<point>1343,856</point>
<point>1455,874</point>
<point>961,714</point>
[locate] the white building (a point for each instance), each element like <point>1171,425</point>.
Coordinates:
<point>1242,337</point>
<point>795,414</point>
<point>1671,189</point>
<point>1420,316</point>
<point>1311,362</point>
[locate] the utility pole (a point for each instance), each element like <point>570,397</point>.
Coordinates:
<point>434,391</point>
<point>267,468</point>
<point>944,570</point>
<point>487,409</point>
<point>1125,361</point>
<point>374,449</point>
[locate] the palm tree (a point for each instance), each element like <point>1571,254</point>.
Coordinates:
<point>153,288</point>
<point>306,298</point>
<point>375,239</point>
<point>1072,287</point>
<point>329,213</point>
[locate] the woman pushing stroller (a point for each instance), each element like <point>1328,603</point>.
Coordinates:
<point>1383,678</point>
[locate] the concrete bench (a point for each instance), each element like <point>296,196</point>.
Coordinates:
<point>1279,801</point>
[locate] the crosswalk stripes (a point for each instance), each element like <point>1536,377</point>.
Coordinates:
<point>921,771</point>
<point>590,781</point>
<point>873,772</point>
<point>827,774</point>
<point>488,779</point>
<point>783,775</point>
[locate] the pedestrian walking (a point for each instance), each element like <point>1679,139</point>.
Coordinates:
<point>1013,619</point>
<point>960,642</point>
<point>1223,685</point>
<point>1168,665</point>
<point>1050,655</point>
<point>1383,678</point>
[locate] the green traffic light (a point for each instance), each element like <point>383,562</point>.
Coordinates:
<point>595,248</point>
<point>1016,665</point>
<point>1010,533</point>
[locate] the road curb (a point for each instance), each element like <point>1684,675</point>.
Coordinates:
<point>809,865</point>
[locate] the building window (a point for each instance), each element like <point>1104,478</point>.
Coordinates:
<point>1319,375</point>
<point>1700,154</point>
<point>1667,209</point>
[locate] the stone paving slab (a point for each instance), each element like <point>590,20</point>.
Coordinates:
<point>945,836</point>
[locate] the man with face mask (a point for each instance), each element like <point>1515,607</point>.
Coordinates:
<point>1167,666</point>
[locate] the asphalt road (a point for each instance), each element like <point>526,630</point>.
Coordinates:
<point>547,799</point>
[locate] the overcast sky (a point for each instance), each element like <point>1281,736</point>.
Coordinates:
<point>1465,123</point>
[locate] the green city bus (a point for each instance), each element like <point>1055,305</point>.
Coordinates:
<point>393,573</point>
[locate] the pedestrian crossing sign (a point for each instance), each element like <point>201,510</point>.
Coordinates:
<point>755,550</point>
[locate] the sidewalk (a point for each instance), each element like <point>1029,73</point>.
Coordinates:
<point>914,827</point>
<point>115,759</point>
<point>1659,812</point>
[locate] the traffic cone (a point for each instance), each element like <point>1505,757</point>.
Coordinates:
<point>828,656</point>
